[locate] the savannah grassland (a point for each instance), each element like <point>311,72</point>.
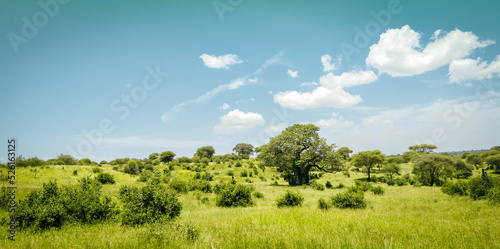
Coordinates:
<point>404,217</point>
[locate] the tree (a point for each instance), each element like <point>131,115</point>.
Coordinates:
<point>67,159</point>
<point>432,169</point>
<point>474,159</point>
<point>243,150</point>
<point>205,151</point>
<point>495,148</point>
<point>167,156</point>
<point>344,151</point>
<point>423,148</point>
<point>368,159</point>
<point>296,151</point>
<point>153,156</point>
<point>494,162</point>
<point>391,169</point>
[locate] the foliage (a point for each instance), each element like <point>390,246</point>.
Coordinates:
<point>344,152</point>
<point>148,204</point>
<point>328,184</point>
<point>154,156</point>
<point>233,195</point>
<point>184,159</point>
<point>244,173</point>
<point>391,169</point>
<point>290,199</point>
<point>258,195</point>
<point>206,151</point>
<point>368,159</point>
<point>54,206</point>
<point>96,170</point>
<point>322,204</point>
<point>179,185</point>
<point>494,194</point>
<point>296,151</point>
<point>55,162</point>
<point>349,199</point>
<point>201,185</point>
<point>423,148</point>
<point>378,190</point>
<point>459,187</point>
<point>205,161</point>
<point>463,170</point>
<point>145,176</point>
<point>474,159</point>
<point>105,178</point>
<point>67,159</point>
<point>409,156</point>
<point>243,150</point>
<point>85,161</point>
<point>494,162</point>
<point>133,167</point>
<point>33,161</point>
<point>433,169</point>
<point>167,156</point>
<point>318,186</point>
<point>479,186</point>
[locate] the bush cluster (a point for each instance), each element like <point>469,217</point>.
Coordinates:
<point>233,195</point>
<point>104,178</point>
<point>148,204</point>
<point>54,206</point>
<point>349,199</point>
<point>290,199</point>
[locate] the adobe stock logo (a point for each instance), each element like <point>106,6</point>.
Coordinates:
<point>31,26</point>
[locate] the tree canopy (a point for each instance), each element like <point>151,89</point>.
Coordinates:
<point>368,159</point>
<point>433,169</point>
<point>297,150</point>
<point>167,156</point>
<point>423,148</point>
<point>344,151</point>
<point>205,151</point>
<point>243,150</point>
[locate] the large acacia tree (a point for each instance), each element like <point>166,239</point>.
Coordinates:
<point>297,150</point>
<point>368,159</point>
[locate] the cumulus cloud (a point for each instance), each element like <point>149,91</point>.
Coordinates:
<point>330,92</point>
<point>309,84</point>
<point>218,62</point>
<point>293,74</point>
<point>469,69</point>
<point>238,121</point>
<point>328,65</point>
<point>399,53</point>
<point>275,128</point>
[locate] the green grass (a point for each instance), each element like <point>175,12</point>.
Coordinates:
<point>404,217</point>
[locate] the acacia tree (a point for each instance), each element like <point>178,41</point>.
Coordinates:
<point>205,151</point>
<point>368,159</point>
<point>153,156</point>
<point>432,169</point>
<point>243,150</point>
<point>297,150</point>
<point>167,156</point>
<point>423,148</point>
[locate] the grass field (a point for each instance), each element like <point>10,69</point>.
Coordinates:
<point>404,217</point>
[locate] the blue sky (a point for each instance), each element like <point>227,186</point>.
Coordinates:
<point>128,78</point>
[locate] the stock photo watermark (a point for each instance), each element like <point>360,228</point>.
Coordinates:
<point>11,189</point>
<point>372,29</point>
<point>121,106</point>
<point>223,6</point>
<point>31,26</point>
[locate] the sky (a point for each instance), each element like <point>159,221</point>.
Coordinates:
<point>113,79</point>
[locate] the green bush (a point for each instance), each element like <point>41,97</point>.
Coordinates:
<point>365,186</point>
<point>96,170</point>
<point>54,206</point>
<point>148,204</point>
<point>179,185</point>
<point>244,173</point>
<point>494,195</point>
<point>4,198</point>
<point>230,173</point>
<point>400,181</point>
<point>290,199</point>
<point>207,176</point>
<point>202,185</point>
<point>318,186</point>
<point>322,204</point>
<point>328,184</point>
<point>459,187</point>
<point>341,185</point>
<point>377,190</point>
<point>75,172</point>
<point>258,195</point>
<point>480,186</point>
<point>349,200</point>
<point>105,178</point>
<point>233,195</point>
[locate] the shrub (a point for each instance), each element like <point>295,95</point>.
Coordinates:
<point>479,186</point>
<point>54,206</point>
<point>103,162</point>
<point>205,161</point>
<point>365,186</point>
<point>184,160</point>
<point>4,198</point>
<point>341,185</point>
<point>238,164</point>
<point>248,180</point>
<point>377,190</point>
<point>148,204</point>
<point>230,173</point>
<point>207,176</point>
<point>201,185</point>
<point>328,184</point>
<point>275,183</point>
<point>55,162</point>
<point>145,176</point>
<point>455,188</point>
<point>75,172</point>
<point>290,199</point>
<point>322,204</point>
<point>233,195</point>
<point>349,200</point>
<point>115,168</point>
<point>205,200</point>
<point>133,167</point>
<point>258,195</point>
<point>96,170</point>
<point>244,173</point>
<point>179,185</point>
<point>400,181</point>
<point>262,178</point>
<point>105,178</point>
<point>494,195</point>
<point>318,186</point>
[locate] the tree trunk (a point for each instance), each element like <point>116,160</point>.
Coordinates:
<point>301,176</point>
<point>368,169</point>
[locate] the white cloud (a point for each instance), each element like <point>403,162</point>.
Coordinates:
<point>234,84</point>
<point>335,121</point>
<point>218,62</point>
<point>309,84</point>
<point>369,122</point>
<point>276,128</point>
<point>270,92</point>
<point>253,80</point>
<point>275,60</point>
<point>326,60</point>
<point>468,69</point>
<point>293,74</point>
<point>225,106</point>
<point>238,121</point>
<point>387,122</point>
<point>398,52</point>
<point>330,93</point>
